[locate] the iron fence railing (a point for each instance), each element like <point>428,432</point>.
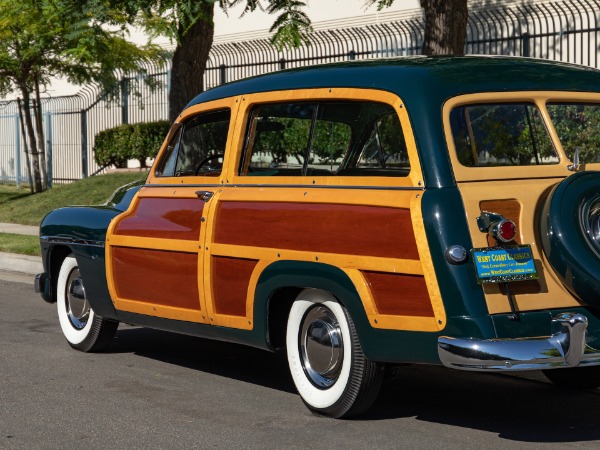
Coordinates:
<point>566,30</point>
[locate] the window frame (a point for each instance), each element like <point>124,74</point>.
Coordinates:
<point>248,102</point>
<point>189,114</point>
<point>464,173</point>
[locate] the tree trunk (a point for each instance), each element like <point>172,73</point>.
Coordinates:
<point>189,61</point>
<point>445,27</point>
<point>35,157</point>
<point>37,110</point>
<point>29,178</point>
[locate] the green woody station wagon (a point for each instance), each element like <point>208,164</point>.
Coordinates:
<point>439,210</point>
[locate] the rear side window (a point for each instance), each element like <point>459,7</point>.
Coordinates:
<point>507,134</point>
<point>578,128</point>
<point>197,147</point>
<point>325,138</point>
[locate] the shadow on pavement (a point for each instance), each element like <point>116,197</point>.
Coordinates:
<point>517,409</point>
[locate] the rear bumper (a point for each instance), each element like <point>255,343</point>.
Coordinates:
<point>567,348</point>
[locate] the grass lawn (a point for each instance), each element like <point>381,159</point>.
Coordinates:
<point>19,206</point>
<point>16,243</point>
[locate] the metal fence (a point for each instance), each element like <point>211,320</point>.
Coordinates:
<point>565,30</point>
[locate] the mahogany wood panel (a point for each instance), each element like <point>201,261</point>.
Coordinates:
<point>403,295</point>
<point>327,228</point>
<point>230,282</point>
<point>510,209</point>
<point>170,218</point>
<point>154,276</point>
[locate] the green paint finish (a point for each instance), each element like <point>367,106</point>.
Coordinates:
<point>424,84</point>
<point>81,223</point>
<point>445,223</point>
<point>377,344</point>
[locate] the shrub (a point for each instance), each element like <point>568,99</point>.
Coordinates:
<point>115,146</point>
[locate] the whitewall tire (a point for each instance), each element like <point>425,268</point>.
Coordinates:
<point>326,361</point>
<point>83,329</point>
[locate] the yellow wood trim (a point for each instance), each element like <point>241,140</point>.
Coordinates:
<point>231,103</point>
<point>540,98</point>
<point>406,266</point>
<point>205,275</point>
<point>427,263</point>
<point>528,193</point>
<point>399,199</point>
<point>169,245</point>
<point>167,312</point>
<point>415,177</point>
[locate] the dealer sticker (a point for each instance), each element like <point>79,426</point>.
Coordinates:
<point>504,264</point>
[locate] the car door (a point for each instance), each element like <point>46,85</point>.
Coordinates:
<point>154,251</point>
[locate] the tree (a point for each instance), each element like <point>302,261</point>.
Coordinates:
<point>40,39</point>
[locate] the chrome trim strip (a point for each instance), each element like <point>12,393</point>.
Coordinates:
<point>567,348</point>
<point>71,241</point>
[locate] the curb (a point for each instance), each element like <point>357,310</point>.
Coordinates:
<point>12,262</point>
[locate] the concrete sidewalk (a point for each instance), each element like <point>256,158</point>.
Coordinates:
<point>15,228</point>
<point>21,264</point>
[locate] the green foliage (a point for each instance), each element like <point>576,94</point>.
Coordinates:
<point>115,146</point>
<point>578,127</point>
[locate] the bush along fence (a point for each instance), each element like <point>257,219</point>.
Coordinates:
<point>563,30</point>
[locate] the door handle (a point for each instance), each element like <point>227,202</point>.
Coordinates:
<point>204,195</point>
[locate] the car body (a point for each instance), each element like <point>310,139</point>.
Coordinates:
<point>430,210</point>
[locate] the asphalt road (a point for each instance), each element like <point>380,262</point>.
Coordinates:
<point>160,390</point>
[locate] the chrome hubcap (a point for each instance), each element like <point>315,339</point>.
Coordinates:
<point>594,223</point>
<point>77,306</point>
<point>321,347</point>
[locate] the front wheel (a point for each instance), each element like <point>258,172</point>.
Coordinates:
<point>329,369</point>
<point>575,378</point>
<point>83,329</point>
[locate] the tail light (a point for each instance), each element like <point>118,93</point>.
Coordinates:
<point>500,228</point>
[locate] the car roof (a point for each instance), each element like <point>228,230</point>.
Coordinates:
<point>420,78</point>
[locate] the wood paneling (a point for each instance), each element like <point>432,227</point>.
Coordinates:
<point>170,218</point>
<point>315,227</point>
<point>403,295</point>
<point>154,276</point>
<point>230,281</point>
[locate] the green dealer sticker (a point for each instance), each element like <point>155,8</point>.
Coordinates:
<point>503,264</point>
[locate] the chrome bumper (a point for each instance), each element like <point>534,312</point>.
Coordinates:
<point>567,348</point>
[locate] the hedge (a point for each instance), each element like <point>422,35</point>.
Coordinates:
<point>115,146</point>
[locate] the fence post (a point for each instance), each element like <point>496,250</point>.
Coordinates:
<point>282,62</point>
<point>223,74</point>
<point>84,144</point>
<point>351,55</point>
<point>525,45</point>
<point>124,100</point>
<point>17,151</point>
<point>49,147</point>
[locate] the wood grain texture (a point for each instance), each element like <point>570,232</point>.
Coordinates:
<point>327,228</point>
<point>230,281</point>
<point>154,276</point>
<point>170,218</point>
<point>402,295</point>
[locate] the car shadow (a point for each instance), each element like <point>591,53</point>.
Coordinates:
<point>525,409</point>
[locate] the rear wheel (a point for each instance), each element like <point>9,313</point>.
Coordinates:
<point>575,378</point>
<point>83,329</point>
<point>330,371</point>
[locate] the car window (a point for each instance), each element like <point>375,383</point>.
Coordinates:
<point>508,134</point>
<point>325,138</point>
<point>578,127</point>
<point>198,147</point>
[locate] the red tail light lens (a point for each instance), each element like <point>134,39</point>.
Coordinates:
<point>505,230</point>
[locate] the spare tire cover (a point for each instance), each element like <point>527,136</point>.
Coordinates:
<point>566,235</point>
